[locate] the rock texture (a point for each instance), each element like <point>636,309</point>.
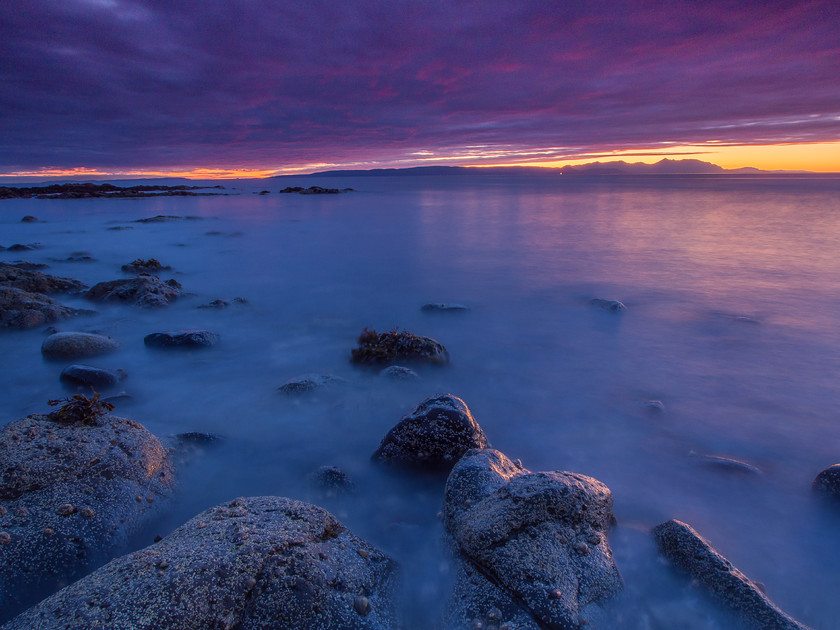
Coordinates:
<point>540,536</point>
<point>397,346</point>
<point>432,435</point>
<point>35,281</point>
<point>692,553</point>
<point>182,339</point>
<point>260,562</point>
<point>143,290</point>
<point>77,345</point>
<point>22,309</point>
<point>89,376</point>
<point>71,495</point>
<point>828,482</point>
<point>143,265</point>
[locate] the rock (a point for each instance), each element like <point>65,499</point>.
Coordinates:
<point>539,536</point>
<point>444,308</point>
<point>728,464</point>
<point>608,305</point>
<point>389,347</point>
<point>688,551</point>
<point>161,218</point>
<point>260,562</point>
<point>655,406</point>
<point>29,219</point>
<point>77,345</point>
<point>36,282</point>
<point>433,435</point>
<point>331,481</point>
<point>309,383</point>
<point>144,290</point>
<point>79,257</point>
<point>147,266</point>
<point>28,265</point>
<point>182,339</point>
<point>89,376</point>
<point>71,496</point>
<point>399,373</point>
<point>220,303</point>
<point>21,247</point>
<point>22,309</point>
<point>828,482</point>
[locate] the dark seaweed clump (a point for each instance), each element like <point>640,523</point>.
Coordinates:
<point>79,409</point>
<point>377,348</point>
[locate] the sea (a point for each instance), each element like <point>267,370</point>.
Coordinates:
<point>712,398</point>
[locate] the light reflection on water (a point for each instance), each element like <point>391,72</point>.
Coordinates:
<point>732,322</point>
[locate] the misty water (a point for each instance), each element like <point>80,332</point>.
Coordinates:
<point>732,288</point>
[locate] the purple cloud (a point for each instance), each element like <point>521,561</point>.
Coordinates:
<point>171,83</point>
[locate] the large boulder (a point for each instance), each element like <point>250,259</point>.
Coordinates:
<point>73,489</point>
<point>542,537</point>
<point>260,562</point>
<point>143,290</point>
<point>35,281</point>
<point>22,309</point>
<point>433,435</point>
<point>77,345</point>
<point>397,346</point>
<point>692,553</point>
<point>827,482</point>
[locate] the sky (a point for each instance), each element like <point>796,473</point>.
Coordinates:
<point>222,88</point>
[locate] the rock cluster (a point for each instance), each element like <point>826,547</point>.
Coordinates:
<point>143,290</point>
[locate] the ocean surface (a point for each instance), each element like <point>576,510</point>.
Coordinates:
<point>732,289</point>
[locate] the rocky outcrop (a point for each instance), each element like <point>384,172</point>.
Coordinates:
<point>77,345</point>
<point>91,377</point>
<point>182,339</point>
<point>71,495</point>
<point>541,537</point>
<point>687,550</point>
<point>144,290</point>
<point>397,346</point>
<point>22,309</point>
<point>260,562</point>
<point>35,281</point>
<point>306,383</point>
<point>433,435</point>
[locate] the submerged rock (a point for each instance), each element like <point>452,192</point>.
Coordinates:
<point>72,494</point>
<point>89,376</point>
<point>399,373</point>
<point>77,345</point>
<point>260,562</point>
<point>608,305</point>
<point>220,303</point>
<point>539,536</point>
<point>144,290</point>
<point>433,435</point>
<point>443,307</point>
<point>331,481</point>
<point>309,383</point>
<point>33,281</point>
<point>182,339</point>
<point>687,550</point>
<point>728,464</point>
<point>389,347</point>
<point>29,219</point>
<point>22,309</point>
<point>141,265</point>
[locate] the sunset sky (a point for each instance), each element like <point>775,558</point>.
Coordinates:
<point>252,88</point>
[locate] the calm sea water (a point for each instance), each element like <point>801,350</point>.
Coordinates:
<point>732,289</point>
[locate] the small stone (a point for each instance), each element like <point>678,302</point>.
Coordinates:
<point>29,219</point>
<point>362,605</point>
<point>87,512</point>
<point>163,564</point>
<point>582,548</point>
<point>478,624</point>
<point>494,614</point>
<point>363,553</point>
<point>5,538</point>
<point>48,531</point>
<point>158,538</point>
<point>66,510</point>
<point>251,583</point>
<point>555,594</point>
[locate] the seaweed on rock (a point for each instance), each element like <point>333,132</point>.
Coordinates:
<point>79,409</point>
<point>395,345</point>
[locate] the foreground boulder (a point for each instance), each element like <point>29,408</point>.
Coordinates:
<point>76,485</point>
<point>89,376</point>
<point>397,346</point>
<point>541,537</point>
<point>77,345</point>
<point>260,562</point>
<point>827,482</point>
<point>35,281</point>
<point>22,309</point>
<point>182,339</point>
<point>433,435</point>
<point>686,549</point>
<point>143,290</point>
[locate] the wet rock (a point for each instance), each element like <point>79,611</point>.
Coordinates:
<point>260,562</point>
<point>828,482</point>
<point>540,536</point>
<point>29,219</point>
<point>148,266</point>
<point>690,552</point>
<point>331,481</point>
<point>433,435</point>
<point>79,257</point>
<point>655,406</point>
<point>182,339</point>
<point>220,303</point>
<point>33,281</point>
<point>393,346</point>
<point>91,486</point>
<point>728,464</point>
<point>22,309</point>
<point>444,307</point>
<point>399,373</point>
<point>161,218</point>
<point>608,305</point>
<point>24,247</point>
<point>144,290</point>
<point>309,383</point>
<point>89,376</point>
<point>77,345</point>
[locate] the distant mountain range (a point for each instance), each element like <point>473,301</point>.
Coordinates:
<point>663,167</point>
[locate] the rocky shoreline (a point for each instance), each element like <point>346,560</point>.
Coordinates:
<point>88,190</point>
